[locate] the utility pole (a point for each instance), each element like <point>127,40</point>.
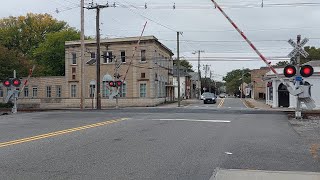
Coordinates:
<point>199,72</point>
<point>14,108</point>
<point>241,83</point>
<point>298,108</point>
<point>98,7</point>
<point>210,85</point>
<point>82,100</point>
<point>116,75</point>
<point>178,59</point>
<point>206,69</point>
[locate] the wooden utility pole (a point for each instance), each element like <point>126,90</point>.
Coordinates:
<point>98,7</point>
<point>178,59</point>
<point>82,88</point>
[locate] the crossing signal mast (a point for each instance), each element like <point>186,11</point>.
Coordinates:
<point>13,93</point>
<point>302,89</point>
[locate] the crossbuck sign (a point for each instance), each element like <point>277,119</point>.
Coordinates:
<point>298,48</point>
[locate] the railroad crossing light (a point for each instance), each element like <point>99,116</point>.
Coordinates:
<point>289,71</point>
<point>7,83</point>
<point>119,83</point>
<point>16,82</point>
<point>111,84</point>
<point>306,71</point>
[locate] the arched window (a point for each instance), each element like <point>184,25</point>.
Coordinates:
<point>105,88</point>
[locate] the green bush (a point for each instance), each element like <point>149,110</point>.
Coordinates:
<point>6,105</point>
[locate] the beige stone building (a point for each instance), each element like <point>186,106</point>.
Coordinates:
<point>146,73</point>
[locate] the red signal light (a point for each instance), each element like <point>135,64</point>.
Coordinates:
<point>289,71</point>
<point>16,82</point>
<point>7,83</point>
<point>111,83</point>
<point>119,83</point>
<point>306,71</point>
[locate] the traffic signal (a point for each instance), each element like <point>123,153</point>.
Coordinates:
<point>306,71</point>
<point>289,71</point>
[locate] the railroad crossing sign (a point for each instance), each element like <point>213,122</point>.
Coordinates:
<point>298,48</point>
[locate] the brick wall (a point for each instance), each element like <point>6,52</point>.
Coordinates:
<point>257,82</point>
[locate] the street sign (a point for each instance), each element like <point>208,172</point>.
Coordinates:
<point>298,78</point>
<point>303,53</point>
<point>304,42</point>
<point>292,43</point>
<point>298,49</point>
<point>293,53</point>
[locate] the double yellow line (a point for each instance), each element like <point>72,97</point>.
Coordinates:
<point>221,103</point>
<point>52,134</point>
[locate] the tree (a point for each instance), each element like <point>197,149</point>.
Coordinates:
<point>184,63</point>
<point>314,54</point>
<point>234,79</point>
<point>25,33</point>
<point>282,63</point>
<point>12,60</point>
<point>51,53</point>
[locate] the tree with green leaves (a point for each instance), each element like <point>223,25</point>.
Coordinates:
<point>184,63</point>
<point>25,33</point>
<point>314,54</point>
<point>282,63</point>
<point>51,53</point>
<point>40,38</point>
<point>234,79</point>
<point>12,60</point>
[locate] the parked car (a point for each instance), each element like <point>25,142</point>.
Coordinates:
<point>223,95</point>
<point>210,98</point>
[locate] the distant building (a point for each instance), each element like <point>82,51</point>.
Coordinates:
<point>277,94</point>
<point>149,80</point>
<point>185,83</point>
<point>257,83</point>
<point>195,85</point>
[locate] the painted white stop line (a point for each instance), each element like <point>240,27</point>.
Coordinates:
<point>195,120</point>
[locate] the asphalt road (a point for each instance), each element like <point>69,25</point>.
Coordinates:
<point>150,143</point>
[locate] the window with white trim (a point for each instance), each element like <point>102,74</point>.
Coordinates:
<point>143,90</point>
<point>73,90</point>
<point>48,88</point>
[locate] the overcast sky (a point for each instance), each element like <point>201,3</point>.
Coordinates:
<point>204,28</point>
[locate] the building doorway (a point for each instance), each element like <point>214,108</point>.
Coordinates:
<point>283,96</point>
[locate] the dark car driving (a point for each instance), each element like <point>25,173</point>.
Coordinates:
<point>210,98</point>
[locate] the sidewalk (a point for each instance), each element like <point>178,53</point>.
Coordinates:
<point>260,104</point>
<point>184,102</point>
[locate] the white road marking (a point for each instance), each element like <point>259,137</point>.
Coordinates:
<point>228,153</point>
<point>197,120</point>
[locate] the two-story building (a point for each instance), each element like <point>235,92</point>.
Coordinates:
<point>146,73</point>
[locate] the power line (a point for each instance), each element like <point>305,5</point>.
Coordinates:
<point>149,18</point>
